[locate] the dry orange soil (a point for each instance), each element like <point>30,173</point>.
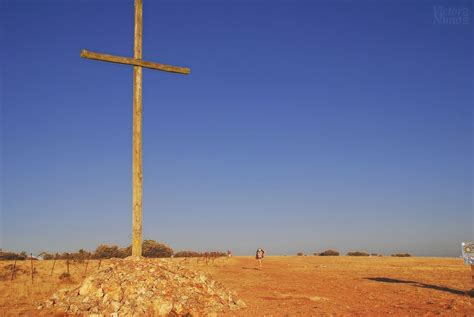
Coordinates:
<point>292,286</point>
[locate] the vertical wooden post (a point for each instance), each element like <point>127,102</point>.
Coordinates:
<point>137,180</point>
<point>14,269</point>
<point>54,263</point>
<point>87,263</point>
<point>67,262</point>
<point>100,261</point>
<point>31,258</point>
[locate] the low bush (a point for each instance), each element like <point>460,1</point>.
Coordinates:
<point>46,256</point>
<point>194,254</point>
<point>66,277</point>
<point>329,253</point>
<point>12,256</point>
<point>213,254</point>
<point>187,254</point>
<point>105,251</point>
<point>300,254</point>
<point>402,255</point>
<point>357,253</point>
<point>79,256</point>
<point>153,249</point>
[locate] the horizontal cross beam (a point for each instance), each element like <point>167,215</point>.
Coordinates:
<point>134,61</point>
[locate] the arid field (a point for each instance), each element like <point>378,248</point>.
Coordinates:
<point>287,286</point>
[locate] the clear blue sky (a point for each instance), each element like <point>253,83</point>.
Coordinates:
<point>303,126</point>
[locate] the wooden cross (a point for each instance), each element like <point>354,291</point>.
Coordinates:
<point>138,64</point>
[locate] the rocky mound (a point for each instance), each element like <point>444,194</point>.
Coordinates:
<point>145,287</point>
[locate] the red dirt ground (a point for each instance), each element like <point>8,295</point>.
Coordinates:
<point>294,286</point>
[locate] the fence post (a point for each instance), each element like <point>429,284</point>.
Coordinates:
<point>54,263</point>
<point>87,263</point>
<point>31,259</point>
<point>14,268</point>
<point>67,262</point>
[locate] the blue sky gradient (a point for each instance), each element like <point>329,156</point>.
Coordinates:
<point>303,126</point>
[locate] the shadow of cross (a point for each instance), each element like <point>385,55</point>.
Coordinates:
<point>138,64</point>
<point>418,284</point>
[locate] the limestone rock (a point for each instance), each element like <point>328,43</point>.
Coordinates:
<point>86,287</point>
<point>140,286</point>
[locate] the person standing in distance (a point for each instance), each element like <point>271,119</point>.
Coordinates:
<point>259,256</point>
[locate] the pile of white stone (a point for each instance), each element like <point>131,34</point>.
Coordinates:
<point>140,286</point>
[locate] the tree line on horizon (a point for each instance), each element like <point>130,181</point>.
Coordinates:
<point>331,252</point>
<point>150,249</point>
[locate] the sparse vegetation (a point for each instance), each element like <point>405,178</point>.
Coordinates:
<point>12,256</point>
<point>300,254</point>
<point>82,255</point>
<point>153,249</point>
<point>105,251</point>
<point>214,254</point>
<point>329,253</point>
<point>66,277</point>
<point>46,256</point>
<point>11,270</point>
<point>187,254</point>
<point>402,255</point>
<point>150,249</point>
<point>357,253</point>
<point>194,254</point>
